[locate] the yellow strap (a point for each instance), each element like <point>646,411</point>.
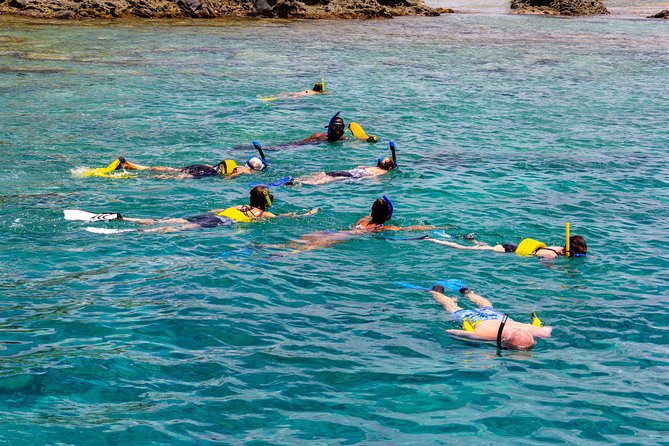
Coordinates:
<point>235,214</point>
<point>467,324</point>
<point>536,321</point>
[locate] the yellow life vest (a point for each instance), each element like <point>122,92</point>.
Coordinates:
<point>528,247</point>
<point>235,214</point>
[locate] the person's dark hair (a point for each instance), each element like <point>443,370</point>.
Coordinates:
<point>380,211</point>
<point>336,129</point>
<point>259,196</point>
<point>577,245</point>
<point>386,163</point>
<point>318,87</point>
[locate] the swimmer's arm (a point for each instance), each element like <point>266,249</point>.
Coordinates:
<point>240,171</point>
<point>470,335</point>
<point>540,332</point>
<point>406,228</point>
<point>320,136</point>
<point>550,251</point>
<point>419,228</point>
<point>295,215</point>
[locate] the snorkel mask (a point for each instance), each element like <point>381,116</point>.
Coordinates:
<point>392,152</point>
<point>226,167</point>
<point>335,126</point>
<point>390,207</point>
<point>255,160</point>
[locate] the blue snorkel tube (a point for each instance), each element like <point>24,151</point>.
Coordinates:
<point>335,116</point>
<point>390,207</point>
<point>258,147</point>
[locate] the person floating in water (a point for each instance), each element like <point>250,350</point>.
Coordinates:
<point>383,165</point>
<point>485,323</point>
<point>381,212</point>
<point>318,88</point>
<point>527,247</point>
<point>225,167</point>
<point>259,201</point>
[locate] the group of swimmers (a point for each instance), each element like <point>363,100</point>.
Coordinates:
<point>482,324</point>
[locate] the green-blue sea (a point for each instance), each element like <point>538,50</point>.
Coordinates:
<point>506,127</point>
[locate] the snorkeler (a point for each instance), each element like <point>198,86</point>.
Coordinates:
<point>335,132</point>
<point>225,167</point>
<point>336,129</point>
<point>318,88</point>
<point>485,323</point>
<point>528,247</point>
<point>259,201</point>
<point>381,212</point>
<point>384,165</point>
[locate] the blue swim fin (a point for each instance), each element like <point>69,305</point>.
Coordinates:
<point>276,183</point>
<point>410,286</point>
<point>454,285</point>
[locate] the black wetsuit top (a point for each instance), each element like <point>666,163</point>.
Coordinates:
<point>202,170</point>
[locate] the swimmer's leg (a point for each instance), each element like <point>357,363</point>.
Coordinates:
<point>478,247</point>
<point>449,304</point>
<point>480,301</point>
<point>319,178</point>
<point>127,165</point>
<point>151,221</point>
<point>165,229</point>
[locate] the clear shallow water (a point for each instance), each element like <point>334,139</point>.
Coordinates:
<point>506,126</point>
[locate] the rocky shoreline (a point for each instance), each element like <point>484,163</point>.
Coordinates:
<point>305,9</point>
<point>286,9</point>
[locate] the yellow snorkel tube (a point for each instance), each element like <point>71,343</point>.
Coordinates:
<point>567,248</point>
<point>268,197</point>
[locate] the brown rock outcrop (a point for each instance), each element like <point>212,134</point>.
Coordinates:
<point>559,7</point>
<point>660,15</point>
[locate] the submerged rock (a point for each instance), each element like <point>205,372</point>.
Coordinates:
<point>559,7</point>
<point>660,15</point>
<point>308,9</point>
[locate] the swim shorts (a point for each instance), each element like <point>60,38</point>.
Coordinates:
<point>202,170</point>
<point>208,220</point>
<point>358,172</point>
<point>479,314</point>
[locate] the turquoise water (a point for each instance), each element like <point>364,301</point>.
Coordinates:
<point>506,126</point>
